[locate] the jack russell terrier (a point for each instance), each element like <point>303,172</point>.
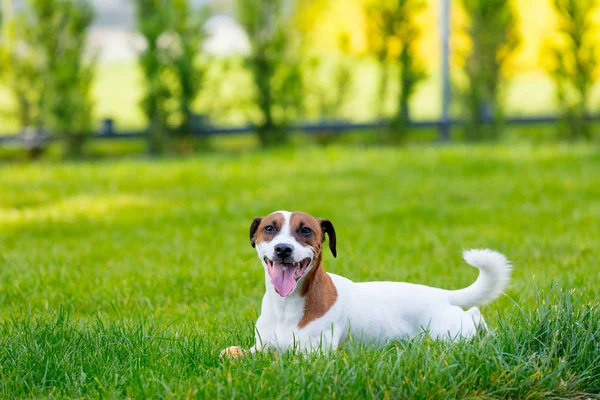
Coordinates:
<point>308,309</point>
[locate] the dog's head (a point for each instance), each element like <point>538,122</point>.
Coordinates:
<point>289,244</point>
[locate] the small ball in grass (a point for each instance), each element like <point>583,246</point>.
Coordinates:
<point>232,352</point>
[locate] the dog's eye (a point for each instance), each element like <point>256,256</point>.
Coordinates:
<point>306,231</point>
<point>269,229</point>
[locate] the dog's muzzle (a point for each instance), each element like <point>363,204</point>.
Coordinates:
<point>285,275</point>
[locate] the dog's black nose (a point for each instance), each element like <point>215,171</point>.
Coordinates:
<point>283,250</point>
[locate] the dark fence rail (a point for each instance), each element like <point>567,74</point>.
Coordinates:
<point>107,131</point>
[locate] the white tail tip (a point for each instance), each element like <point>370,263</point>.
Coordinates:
<point>494,276</point>
<point>485,258</point>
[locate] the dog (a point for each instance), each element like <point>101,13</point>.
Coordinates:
<point>305,308</point>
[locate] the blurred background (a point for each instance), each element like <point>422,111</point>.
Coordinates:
<point>174,76</point>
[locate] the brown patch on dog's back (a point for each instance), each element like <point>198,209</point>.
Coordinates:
<point>318,289</point>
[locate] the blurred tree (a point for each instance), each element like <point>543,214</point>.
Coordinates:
<point>19,70</point>
<point>343,18</point>
<point>380,29</point>
<point>172,68</point>
<point>494,36</point>
<point>47,71</point>
<point>58,30</point>
<point>329,86</point>
<point>189,29</point>
<point>1,26</point>
<point>393,35</point>
<point>575,66</point>
<point>331,80</point>
<point>274,64</point>
<point>153,24</point>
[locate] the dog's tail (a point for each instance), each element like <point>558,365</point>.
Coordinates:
<point>494,275</point>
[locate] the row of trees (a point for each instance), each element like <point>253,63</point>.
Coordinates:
<point>574,65</point>
<point>393,35</point>
<point>48,69</point>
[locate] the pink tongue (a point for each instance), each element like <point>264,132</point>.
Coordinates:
<point>283,281</point>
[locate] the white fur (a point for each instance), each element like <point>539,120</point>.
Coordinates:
<point>376,312</point>
<point>493,278</point>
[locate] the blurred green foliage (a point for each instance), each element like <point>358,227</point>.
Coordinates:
<point>575,66</point>
<point>331,78</point>
<point>62,27</point>
<point>20,70</point>
<point>328,90</point>
<point>173,36</point>
<point>494,36</point>
<point>275,65</point>
<point>393,36</point>
<point>188,26</point>
<point>152,24</point>
<point>46,68</point>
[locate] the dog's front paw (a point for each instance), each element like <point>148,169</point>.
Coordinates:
<point>232,352</point>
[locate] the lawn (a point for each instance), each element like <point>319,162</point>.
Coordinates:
<point>124,278</point>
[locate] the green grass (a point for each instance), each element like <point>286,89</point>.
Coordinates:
<point>125,278</point>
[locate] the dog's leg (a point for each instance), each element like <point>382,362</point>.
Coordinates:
<point>315,342</point>
<point>238,351</point>
<point>477,318</point>
<point>232,352</point>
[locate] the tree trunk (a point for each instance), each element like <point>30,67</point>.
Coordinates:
<point>158,137</point>
<point>74,144</point>
<point>269,133</point>
<point>383,86</point>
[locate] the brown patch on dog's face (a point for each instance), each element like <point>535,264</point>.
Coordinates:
<point>265,229</point>
<point>306,230</point>
<point>310,231</point>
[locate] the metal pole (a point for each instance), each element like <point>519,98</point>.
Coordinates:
<point>446,87</point>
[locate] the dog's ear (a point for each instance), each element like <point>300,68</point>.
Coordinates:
<point>253,227</point>
<point>327,227</point>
